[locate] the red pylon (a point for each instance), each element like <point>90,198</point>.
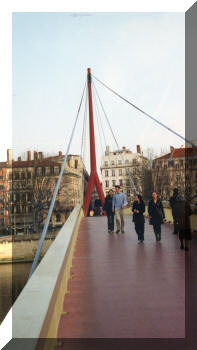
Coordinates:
<point>93,179</point>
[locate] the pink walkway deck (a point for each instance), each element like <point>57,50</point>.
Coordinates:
<point>122,289</point>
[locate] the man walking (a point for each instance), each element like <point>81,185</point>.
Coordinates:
<point>110,213</point>
<point>172,204</point>
<point>118,204</point>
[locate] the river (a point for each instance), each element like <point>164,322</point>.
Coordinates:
<point>12,280</point>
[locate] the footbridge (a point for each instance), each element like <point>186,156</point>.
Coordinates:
<point>92,285</point>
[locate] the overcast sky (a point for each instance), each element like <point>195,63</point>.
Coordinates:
<point>139,55</point>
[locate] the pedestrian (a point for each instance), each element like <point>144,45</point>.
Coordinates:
<point>183,211</point>
<point>156,214</point>
<point>172,203</point>
<point>118,204</point>
<point>97,206</point>
<point>138,210</point>
<point>110,214</point>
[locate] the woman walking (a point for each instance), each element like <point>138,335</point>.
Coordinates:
<point>156,214</point>
<point>110,213</point>
<point>138,217</point>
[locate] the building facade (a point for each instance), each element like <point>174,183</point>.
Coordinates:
<point>30,185</point>
<point>115,169</point>
<point>177,169</point>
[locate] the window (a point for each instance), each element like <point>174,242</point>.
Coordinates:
<point>16,176</point>
<point>134,161</point>
<point>106,183</point>
<point>1,210</point>
<point>58,217</point>
<point>106,173</point>
<point>177,166</point>
<point>29,175</point>
<point>24,197</point>
<point>23,175</point>
<point>120,171</point>
<point>119,162</point>
<point>1,187</point>
<point>43,171</point>
<point>128,182</point>
<point>112,162</point>
<point>178,178</point>
<point>128,193</point>
<point>113,173</point>
<point>17,209</point>
<point>106,163</point>
<point>126,161</point>
<point>17,196</point>
<point>13,209</point>
<point>113,183</point>
<point>29,197</point>
<point>170,163</point>
<point>76,163</point>
<point>52,170</point>
<point>121,183</point>
<point>2,221</point>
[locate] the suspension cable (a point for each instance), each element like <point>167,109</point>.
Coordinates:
<point>97,119</point>
<point>43,234</point>
<point>127,169</point>
<point>101,125</point>
<point>82,145</point>
<point>146,114</point>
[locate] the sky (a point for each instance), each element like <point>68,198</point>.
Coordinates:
<point>139,55</point>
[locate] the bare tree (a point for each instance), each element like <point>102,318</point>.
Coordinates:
<point>150,154</point>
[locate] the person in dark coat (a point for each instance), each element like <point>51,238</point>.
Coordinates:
<point>183,211</point>
<point>97,207</point>
<point>172,203</point>
<point>156,214</point>
<point>138,210</point>
<point>110,213</point>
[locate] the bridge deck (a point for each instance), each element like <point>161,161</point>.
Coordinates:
<point>121,289</point>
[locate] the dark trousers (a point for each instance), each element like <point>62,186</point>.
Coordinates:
<point>110,221</point>
<point>139,227</point>
<point>157,229</point>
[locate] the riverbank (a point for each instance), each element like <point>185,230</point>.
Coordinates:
<point>22,249</point>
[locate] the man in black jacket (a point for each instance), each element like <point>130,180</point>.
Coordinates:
<point>172,204</point>
<point>156,214</point>
<point>110,213</point>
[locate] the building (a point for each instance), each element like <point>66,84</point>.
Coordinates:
<point>5,206</point>
<point>30,185</point>
<point>115,169</point>
<point>177,169</point>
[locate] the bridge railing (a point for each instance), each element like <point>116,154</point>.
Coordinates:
<point>37,310</point>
